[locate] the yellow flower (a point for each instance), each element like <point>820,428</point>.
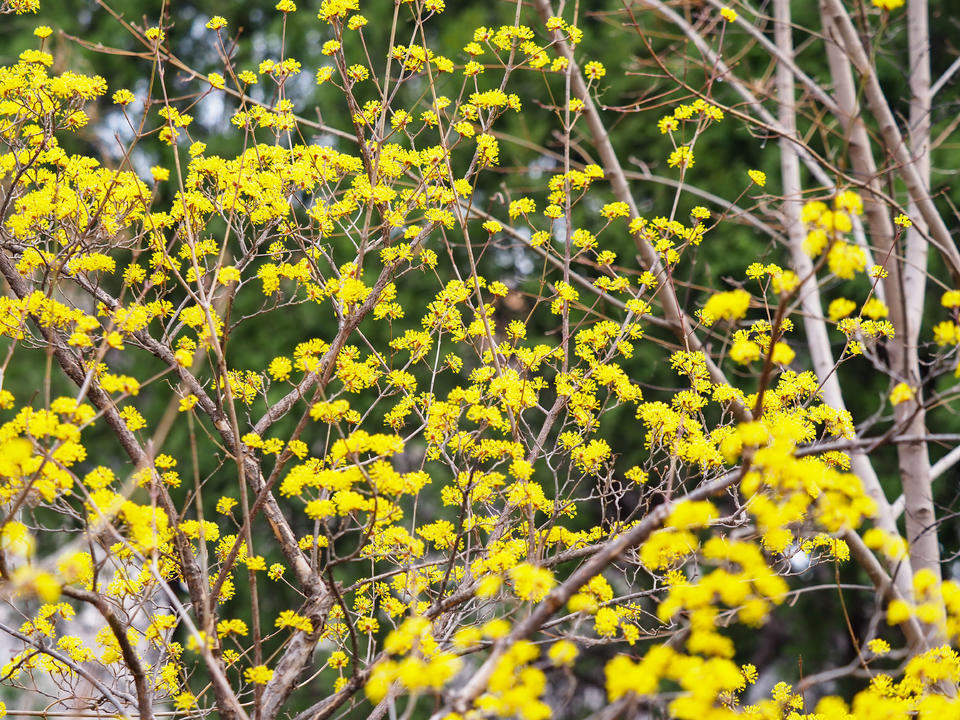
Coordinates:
<point>849,201</point>
<point>845,260</point>
<point>840,308</point>
<point>682,157</point>
<point>234,627</point>
<point>951,299</point>
<point>688,515</point>
<point>531,582</point>
<point>730,306</point>
<point>290,619</point>
<point>874,309</point>
<point>324,74</point>
<point>729,15</point>
<point>185,701</point>
<point>783,354</point>
<point>259,675</point>
<point>280,368</point>
<point>785,282</point>
<point>666,124</point>
<point>225,505</point>
<point>744,351</point>
<point>496,628</point>
<point>123,97</point>
<point>198,640</point>
<point>563,653</point>
<point>901,393</point>
<point>15,538</point>
<point>594,70</point>
<point>338,659</point>
<point>946,333</point>
<point>898,611</point>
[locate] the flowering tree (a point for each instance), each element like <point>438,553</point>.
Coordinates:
<point>464,491</point>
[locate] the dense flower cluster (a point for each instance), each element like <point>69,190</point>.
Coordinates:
<point>460,465</point>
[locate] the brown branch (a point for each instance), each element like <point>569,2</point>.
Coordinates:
<point>130,659</point>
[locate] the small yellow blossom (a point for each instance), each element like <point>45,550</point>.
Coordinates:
<point>901,393</point>
<point>259,675</point>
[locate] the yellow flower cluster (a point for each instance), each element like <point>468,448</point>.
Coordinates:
<point>506,420</point>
